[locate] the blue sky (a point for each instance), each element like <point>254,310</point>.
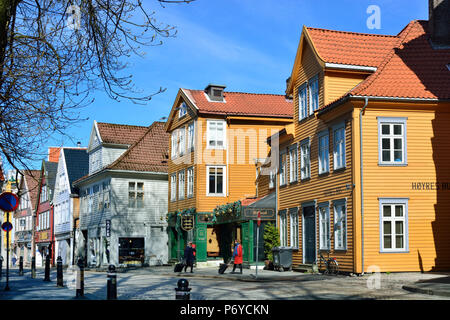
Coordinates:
<point>247,45</point>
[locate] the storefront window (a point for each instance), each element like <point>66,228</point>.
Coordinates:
<point>131,250</point>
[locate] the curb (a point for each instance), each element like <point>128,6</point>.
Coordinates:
<point>426,291</point>
<point>246,279</point>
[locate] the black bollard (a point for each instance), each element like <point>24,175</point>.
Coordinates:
<point>20,266</point>
<point>33,267</point>
<point>80,279</point>
<point>111,285</point>
<point>182,291</point>
<point>47,268</point>
<point>59,272</point>
<point>1,267</point>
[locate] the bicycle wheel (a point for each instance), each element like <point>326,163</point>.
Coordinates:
<point>333,267</point>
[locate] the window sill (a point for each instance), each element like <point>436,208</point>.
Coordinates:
<point>394,251</point>
<point>340,250</point>
<point>293,182</point>
<point>283,185</point>
<point>337,170</point>
<point>215,195</point>
<point>305,179</point>
<point>392,164</point>
<point>324,174</point>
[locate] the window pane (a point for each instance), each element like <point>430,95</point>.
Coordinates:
<point>398,144</point>
<point>385,129</point>
<point>140,200</point>
<point>387,230</point>
<point>387,242</point>
<point>386,211</point>
<point>397,129</point>
<point>399,242</point>
<point>212,184</point>
<point>399,211</point>
<point>399,227</point>
<point>130,185</point>
<point>398,156</point>
<point>386,144</point>
<point>140,186</point>
<point>386,156</point>
<point>219,184</point>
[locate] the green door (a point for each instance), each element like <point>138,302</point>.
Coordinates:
<point>247,241</point>
<point>200,241</point>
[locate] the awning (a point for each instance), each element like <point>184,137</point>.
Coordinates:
<point>266,206</point>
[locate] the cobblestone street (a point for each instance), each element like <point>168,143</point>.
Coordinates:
<point>159,284</point>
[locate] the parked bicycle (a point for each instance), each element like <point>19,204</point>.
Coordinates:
<point>331,264</point>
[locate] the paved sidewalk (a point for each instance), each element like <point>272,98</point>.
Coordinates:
<point>437,286</point>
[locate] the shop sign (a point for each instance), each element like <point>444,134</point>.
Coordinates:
<point>43,235</point>
<point>252,214</point>
<point>187,222</point>
<point>108,228</point>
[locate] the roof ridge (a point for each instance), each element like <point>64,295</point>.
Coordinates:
<point>119,124</point>
<point>241,92</point>
<point>354,32</point>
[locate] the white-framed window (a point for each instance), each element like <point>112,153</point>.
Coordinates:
<point>135,194</point>
<point>305,159</point>
<point>181,184</point>
<point>173,187</point>
<point>294,232</point>
<point>392,141</point>
<point>183,110</point>
<point>283,228</point>
<point>215,133</point>
<point>293,163</point>
<point>191,135</point>
<point>340,225</point>
<point>339,147</point>
<point>190,182</point>
<point>282,168</point>
<point>44,195</point>
<point>313,86</point>
<point>393,224</point>
<point>302,101</point>
<point>182,141</point>
<point>324,226</point>
<point>216,176</point>
<point>174,143</point>
<point>272,177</point>
<point>324,156</point>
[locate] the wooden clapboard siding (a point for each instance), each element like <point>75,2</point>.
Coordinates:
<point>317,188</point>
<point>337,83</point>
<point>427,161</point>
<point>246,141</point>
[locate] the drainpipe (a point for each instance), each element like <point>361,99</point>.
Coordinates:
<point>366,101</point>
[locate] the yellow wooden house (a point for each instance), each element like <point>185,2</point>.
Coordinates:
<point>364,169</point>
<point>217,138</point>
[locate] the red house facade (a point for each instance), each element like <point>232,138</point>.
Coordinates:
<point>44,226</point>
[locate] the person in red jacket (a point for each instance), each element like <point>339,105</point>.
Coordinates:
<point>237,256</point>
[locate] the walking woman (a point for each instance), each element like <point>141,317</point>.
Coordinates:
<point>189,257</point>
<point>237,255</point>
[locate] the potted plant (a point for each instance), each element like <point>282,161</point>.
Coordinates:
<point>271,240</point>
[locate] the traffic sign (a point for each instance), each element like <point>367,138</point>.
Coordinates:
<point>258,221</point>
<point>7,226</point>
<point>8,201</point>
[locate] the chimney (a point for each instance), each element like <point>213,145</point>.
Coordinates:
<point>79,144</point>
<point>439,23</point>
<point>53,154</point>
<point>215,92</point>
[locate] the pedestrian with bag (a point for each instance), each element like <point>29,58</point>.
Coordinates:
<point>237,256</point>
<point>189,257</point>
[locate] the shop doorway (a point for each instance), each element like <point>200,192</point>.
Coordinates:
<point>131,251</point>
<point>309,235</point>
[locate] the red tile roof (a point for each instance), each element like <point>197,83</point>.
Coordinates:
<point>412,69</point>
<point>351,48</point>
<point>149,153</point>
<point>243,104</point>
<point>120,133</point>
